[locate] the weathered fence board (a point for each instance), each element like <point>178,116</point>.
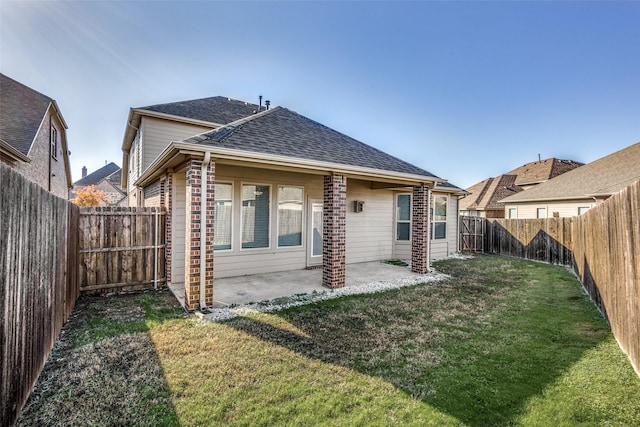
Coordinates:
<point>38,265</point>
<point>121,249</point>
<point>603,248</point>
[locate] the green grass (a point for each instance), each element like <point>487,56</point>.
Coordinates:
<point>504,342</point>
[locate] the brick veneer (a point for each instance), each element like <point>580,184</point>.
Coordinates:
<point>420,229</point>
<point>167,202</point>
<point>334,226</point>
<point>193,234</point>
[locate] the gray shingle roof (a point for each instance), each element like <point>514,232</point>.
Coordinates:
<point>21,112</point>
<point>217,109</point>
<point>602,177</point>
<point>111,171</point>
<point>283,132</point>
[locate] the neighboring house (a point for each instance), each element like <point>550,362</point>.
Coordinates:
<point>283,192</point>
<point>578,190</point>
<point>485,197</point>
<point>106,179</point>
<point>33,136</point>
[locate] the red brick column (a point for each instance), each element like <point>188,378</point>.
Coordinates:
<point>334,227</point>
<point>168,205</point>
<point>194,218</point>
<point>420,229</point>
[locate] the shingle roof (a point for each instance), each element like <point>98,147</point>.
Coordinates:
<point>21,112</point>
<point>601,177</point>
<point>111,171</point>
<point>542,170</point>
<point>487,194</point>
<point>283,132</point>
<point>217,109</point>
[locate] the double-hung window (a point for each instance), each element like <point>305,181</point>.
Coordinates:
<point>289,216</point>
<point>403,217</point>
<point>256,205</point>
<point>54,142</point>
<point>223,216</point>
<point>439,219</point>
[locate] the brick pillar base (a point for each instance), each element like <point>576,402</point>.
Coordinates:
<point>193,234</point>
<point>334,227</point>
<point>420,229</point>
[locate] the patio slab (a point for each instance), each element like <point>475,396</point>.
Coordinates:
<point>260,287</point>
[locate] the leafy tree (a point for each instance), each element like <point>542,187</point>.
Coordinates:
<point>89,196</point>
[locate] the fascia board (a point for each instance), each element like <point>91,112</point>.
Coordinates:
<point>281,162</point>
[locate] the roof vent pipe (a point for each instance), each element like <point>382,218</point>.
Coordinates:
<point>267,103</point>
<point>260,104</point>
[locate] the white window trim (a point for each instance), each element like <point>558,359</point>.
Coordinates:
<point>241,200</point>
<point>395,228</point>
<point>232,216</point>
<point>277,217</point>
<point>538,212</point>
<point>53,142</point>
<point>433,211</point>
<point>509,213</point>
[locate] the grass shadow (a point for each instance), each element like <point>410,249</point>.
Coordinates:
<point>103,369</point>
<point>477,347</point>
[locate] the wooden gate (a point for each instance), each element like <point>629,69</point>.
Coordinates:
<point>121,249</point>
<point>472,232</point>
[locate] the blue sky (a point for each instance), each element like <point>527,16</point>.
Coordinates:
<point>465,90</point>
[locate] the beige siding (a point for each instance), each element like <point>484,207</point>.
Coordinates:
<point>158,133</point>
<point>440,248</point>
<point>564,209</point>
<point>178,227</point>
<point>237,261</point>
<point>370,232</point>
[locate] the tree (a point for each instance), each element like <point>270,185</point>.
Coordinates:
<point>89,196</point>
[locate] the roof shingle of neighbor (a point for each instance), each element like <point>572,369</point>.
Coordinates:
<point>283,132</point>
<point>602,177</point>
<point>542,170</point>
<point>217,109</point>
<point>21,112</point>
<point>111,170</point>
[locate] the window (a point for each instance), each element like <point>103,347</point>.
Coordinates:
<point>513,213</point>
<point>223,217</point>
<point>54,142</point>
<point>403,217</point>
<point>583,209</point>
<point>541,213</point>
<point>289,216</point>
<point>255,216</point>
<point>439,217</point>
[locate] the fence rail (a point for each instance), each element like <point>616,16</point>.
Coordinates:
<point>121,248</point>
<point>38,269</point>
<point>603,248</point>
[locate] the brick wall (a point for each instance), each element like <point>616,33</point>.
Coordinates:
<point>420,229</point>
<point>193,235</point>
<point>334,224</point>
<point>167,202</point>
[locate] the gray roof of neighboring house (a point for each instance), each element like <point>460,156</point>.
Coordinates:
<point>217,109</point>
<point>110,171</point>
<point>283,132</point>
<point>21,112</point>
<point>602,177</point>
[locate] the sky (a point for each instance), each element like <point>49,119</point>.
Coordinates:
<point>463,89</point>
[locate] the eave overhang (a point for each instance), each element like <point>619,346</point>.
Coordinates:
<point>177,152</point>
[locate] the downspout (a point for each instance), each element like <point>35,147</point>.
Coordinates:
<point>50,154</point>
<point>155,250</point>
<point>203,227</point>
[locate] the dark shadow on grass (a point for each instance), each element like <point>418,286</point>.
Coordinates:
<point>482,373</point>
<point>104,369</point>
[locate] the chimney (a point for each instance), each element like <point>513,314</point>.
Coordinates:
<point>84,171</point>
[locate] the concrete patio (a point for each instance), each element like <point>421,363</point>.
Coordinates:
<point>260,287</point>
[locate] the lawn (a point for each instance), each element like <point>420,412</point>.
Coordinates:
<point>503,342</point>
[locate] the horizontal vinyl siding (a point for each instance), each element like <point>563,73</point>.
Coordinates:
<point>240,262</point>
<point>158,133</point>
<point>178,228</point>
<point>564,209</point>
<point>370,232</point>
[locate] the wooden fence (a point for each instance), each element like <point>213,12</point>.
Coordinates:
<point>472,232</point>
<point>38,269</point>
<point>121,249</point>
<point>603,248</point>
